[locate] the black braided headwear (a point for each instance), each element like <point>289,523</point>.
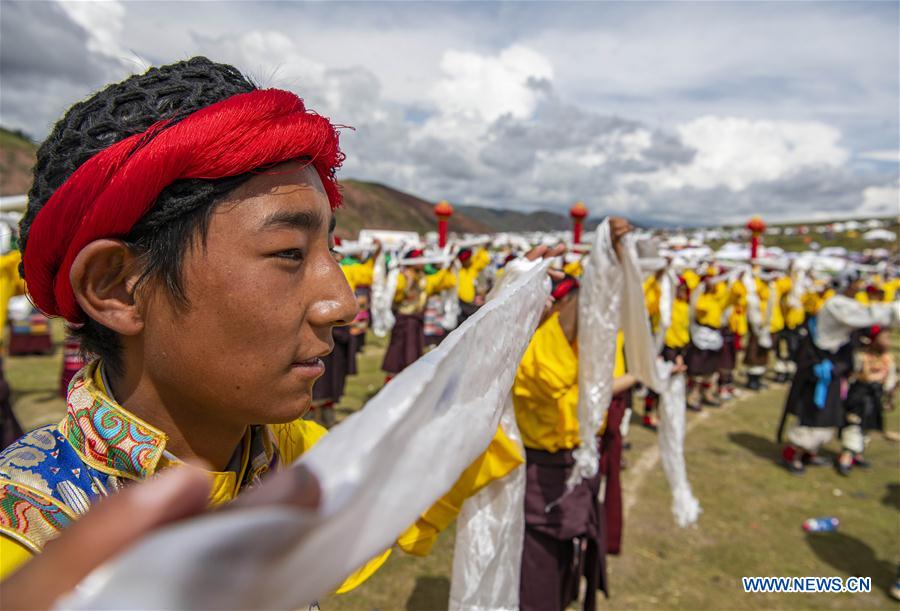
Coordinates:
<point>118,112</point>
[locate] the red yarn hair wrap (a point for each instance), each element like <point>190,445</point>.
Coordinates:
<point>111,191</point>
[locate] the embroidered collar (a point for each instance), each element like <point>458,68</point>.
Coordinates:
<point>112,440</point>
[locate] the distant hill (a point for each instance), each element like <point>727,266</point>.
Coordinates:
<point>372,205</point>
<point>511,220</point>
<point>17,154</point>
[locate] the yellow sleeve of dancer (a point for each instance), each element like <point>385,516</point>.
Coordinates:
<point>10,283</point>
<point>619,370</point>
<point>12,555</point>
<point>481,259</point>
<point>501,457</point>
<point>573,269</point>
<point>401,288</point>
<point>364,273</point>
<point>350,275</point>
<point>439,281</point>
<point>651,300</point>
<point>691,279</point>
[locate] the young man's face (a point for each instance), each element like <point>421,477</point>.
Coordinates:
<point>264,294</point>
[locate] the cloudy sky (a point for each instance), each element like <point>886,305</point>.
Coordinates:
<point>675,112</point>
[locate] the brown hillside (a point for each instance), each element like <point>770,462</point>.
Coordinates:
<point>16,160</point>
<point>375,206</point>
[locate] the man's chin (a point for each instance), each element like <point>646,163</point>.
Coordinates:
<point>290,411</point>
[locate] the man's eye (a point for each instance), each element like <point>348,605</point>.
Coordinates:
<point>292,254</point>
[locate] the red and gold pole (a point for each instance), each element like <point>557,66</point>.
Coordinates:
<point>578,213</point>
<point>443,211</point>
<point>757,227</point>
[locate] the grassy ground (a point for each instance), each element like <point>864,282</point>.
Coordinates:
<point>750,526</point>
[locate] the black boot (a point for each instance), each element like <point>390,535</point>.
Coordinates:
<point>753,382</point>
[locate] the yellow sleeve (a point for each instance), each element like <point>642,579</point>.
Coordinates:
<point>501,457</point>
<point>12,555</point>
<point>651,296</point>
<point>619,369</point>
<point>574,269</point>
<point>350,275</point>
<point>480,259</point>
<point>11,284</point>
<point>365,272</point>
<point>401,288</point>
<point>361,575</point>
<point>439,281</point>
<point>691,279</point>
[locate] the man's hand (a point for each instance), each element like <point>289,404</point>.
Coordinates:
<point>618,227</point>
<point>110,526</point>
<point>679,366</point>
<point>546,252</point>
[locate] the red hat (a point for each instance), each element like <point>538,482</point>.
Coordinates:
<point>564,287</point>
<point>464,255</point>
<point>415,253</point>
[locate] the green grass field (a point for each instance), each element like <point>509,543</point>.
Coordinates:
<point>750,526</point>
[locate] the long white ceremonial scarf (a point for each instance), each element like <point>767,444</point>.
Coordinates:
<point>377,472</point>
<point>600,301</point>
<point>490,528</point>
<point>644,363</point>
<point>384,285</point>
<point>759,324</point>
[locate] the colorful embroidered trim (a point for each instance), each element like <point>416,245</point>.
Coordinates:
<point>29,517</point>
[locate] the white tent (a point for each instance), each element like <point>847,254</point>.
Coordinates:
<point>880,234</point>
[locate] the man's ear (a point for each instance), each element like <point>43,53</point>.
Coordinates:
<point>103,277</point>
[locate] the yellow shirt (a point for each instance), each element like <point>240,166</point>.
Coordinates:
<point>466,276</point>
<point>410,296</point>
<point>545,391</point>
<point>10,284</point>
<point>710,307</point>
<point>782,287</point>
<point>652,293</point>
<point>691,279</point>
<point>359,274</point>
<point>737,320</point>
<point>574,269</point>
<point>678,334</point>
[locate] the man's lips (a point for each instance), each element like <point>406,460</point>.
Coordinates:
<point>311,368</point>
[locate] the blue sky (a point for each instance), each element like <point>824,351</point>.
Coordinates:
<point>677,112</point>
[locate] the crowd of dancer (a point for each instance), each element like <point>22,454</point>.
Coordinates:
<point>213,328</point>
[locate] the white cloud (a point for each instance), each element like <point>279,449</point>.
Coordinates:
<point>487,87</point>
<point>103,21</point>
<point>879,201</point>
<point>893,156</point>
<point>734,152</point>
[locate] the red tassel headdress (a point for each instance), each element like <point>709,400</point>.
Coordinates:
<point>111,191</point>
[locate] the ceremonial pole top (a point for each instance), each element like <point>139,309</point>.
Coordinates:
<point>756,225</point>
<point>443,209</point>
<point>578,211</point>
